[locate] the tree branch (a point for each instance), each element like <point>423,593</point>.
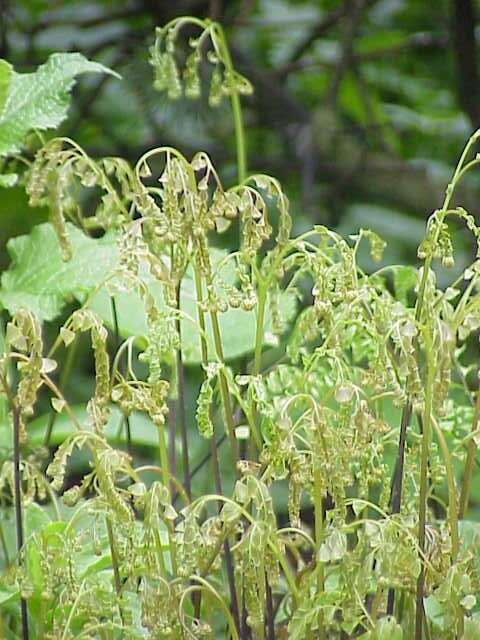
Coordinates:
<point>464,49</point>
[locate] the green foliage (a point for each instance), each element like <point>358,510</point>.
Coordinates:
<point>5,79</point>
<point>237,325</point>
<point>41,281</point>
<point>347,389</point>
<point>38,100</point>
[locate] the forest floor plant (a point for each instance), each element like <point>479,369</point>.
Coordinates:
<point>353,392</point>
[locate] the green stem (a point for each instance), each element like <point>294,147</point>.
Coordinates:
<point>257,361</point>
<point>3,542</point>
<point>452,512</point>
<point>116,329</point>
<point>240,140</point>
<point>452,491</point>
<point>227,405</point>
<point>318,511</point>
<point>397,480</point>
<point>66,371</point>
<point>262,300</point>
<point>166,482</point>
<point>422,511</point>
<point>214,450</point>
<point>181,413</point>
<point>113,555</point>
<point>17,491</point>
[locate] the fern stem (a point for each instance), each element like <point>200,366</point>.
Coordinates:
<point>227,405</point>
<point>214,454</point>
<point>181,413</point>
<point>116,329</point>
<point>17,493</point>
<point>18,509</point>
<point>318,511</point>
<point>397,481</point>
<point>114,558</point>
<point>422,510</point>
<point>166,476</point>
<point>240,140</point>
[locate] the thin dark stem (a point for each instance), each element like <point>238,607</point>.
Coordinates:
<point>397,482</point>
<point>116,331</point>
<point>116,571</point>
<point>270,621</point>
<point>203,462</point>
<point>423,494</point>
<point>18,508</point>
<point>213,444</point>
<point>17,491</point>
<point>128,433</point>
<point>181,413</point>
<point>226,545</point>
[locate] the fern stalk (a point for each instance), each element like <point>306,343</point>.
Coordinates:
<point>181,413</point>
<point>17,497</point>
<point>397,481</point>
<point>213,443</point>
<point>422,509</point>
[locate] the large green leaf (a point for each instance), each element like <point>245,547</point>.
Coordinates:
<point>39,100</point>
<point>5,77</point>
<point>41,281</point>
<point>142,430</point>
<point>237,326</point>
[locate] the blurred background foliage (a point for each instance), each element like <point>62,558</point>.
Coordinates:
<point>361,108</point>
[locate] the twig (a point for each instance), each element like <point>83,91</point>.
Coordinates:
<point>17,487</point>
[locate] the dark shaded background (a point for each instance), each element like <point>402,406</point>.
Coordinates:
<point>360,108</point>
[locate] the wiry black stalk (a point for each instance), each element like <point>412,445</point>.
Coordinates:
<point>214,456</point>
<point>397,482</point>
<point>270,622</point>
<point>181,413</point>
<point>17,491</point>
<point>116,330</point>
<point>18,508</point>
<point>226,545</point>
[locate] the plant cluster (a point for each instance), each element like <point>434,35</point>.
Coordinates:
<point>352,393</point>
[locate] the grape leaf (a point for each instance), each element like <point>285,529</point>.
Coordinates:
<point>5,77</point>
<point>41,281</point>
<point>237,327</point>
<point>38,100</point>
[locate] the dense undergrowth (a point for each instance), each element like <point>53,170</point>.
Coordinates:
<point>352,392</point>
